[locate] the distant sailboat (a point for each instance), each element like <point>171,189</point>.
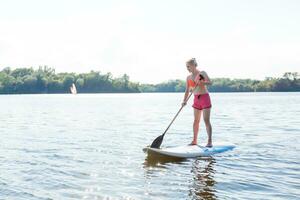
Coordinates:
<point>73,89</point>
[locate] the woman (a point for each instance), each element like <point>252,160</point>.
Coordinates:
<point>197,82</point>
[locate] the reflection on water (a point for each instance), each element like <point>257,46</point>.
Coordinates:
<point>203,179</point>
<point>155,160</point>
<point>202,183</point>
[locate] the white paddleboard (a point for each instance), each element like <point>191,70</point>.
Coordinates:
<point>190,151</point>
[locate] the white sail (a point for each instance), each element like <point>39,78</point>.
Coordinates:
<point>73,89</point>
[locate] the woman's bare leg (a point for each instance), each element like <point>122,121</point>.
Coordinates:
<point>206,117</point>
<point>197,116</point>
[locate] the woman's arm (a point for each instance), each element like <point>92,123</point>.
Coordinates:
<point>206,80</point>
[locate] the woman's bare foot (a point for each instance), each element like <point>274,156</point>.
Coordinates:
<point>209,144</point>
<point>193,143</point>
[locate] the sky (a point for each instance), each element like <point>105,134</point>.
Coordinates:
<point>151,40</point>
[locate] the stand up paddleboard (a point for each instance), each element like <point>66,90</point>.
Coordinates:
<point>189,151</point>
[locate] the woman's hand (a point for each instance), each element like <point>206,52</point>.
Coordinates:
<point>201,82</point>
<point>183,103</point>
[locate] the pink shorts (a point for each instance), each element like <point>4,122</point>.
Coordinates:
<point>201,101</point>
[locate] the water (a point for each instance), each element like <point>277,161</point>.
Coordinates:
<point>89,146</point>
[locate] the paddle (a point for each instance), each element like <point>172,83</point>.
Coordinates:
<point>157,142</point>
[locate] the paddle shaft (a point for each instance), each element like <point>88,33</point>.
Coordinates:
<point>178,112</point>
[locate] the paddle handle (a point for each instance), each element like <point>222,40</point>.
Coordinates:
<point>178,112</point>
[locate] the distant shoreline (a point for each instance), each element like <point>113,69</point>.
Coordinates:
<point>142,93</point>
<point>45,81</point>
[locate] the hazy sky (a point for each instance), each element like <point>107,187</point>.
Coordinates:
<point>151,40</point>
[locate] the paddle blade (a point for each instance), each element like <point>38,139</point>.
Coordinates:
<point>157,142</point>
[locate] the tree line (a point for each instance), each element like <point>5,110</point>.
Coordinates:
<point>289,82</point>
<point>46,80</point>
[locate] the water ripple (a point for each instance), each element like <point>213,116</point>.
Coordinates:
<point>90,147</point>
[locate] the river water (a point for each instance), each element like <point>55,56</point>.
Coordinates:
<point>89,146</point>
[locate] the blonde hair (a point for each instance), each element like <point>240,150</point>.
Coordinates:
<point>192,61</point>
